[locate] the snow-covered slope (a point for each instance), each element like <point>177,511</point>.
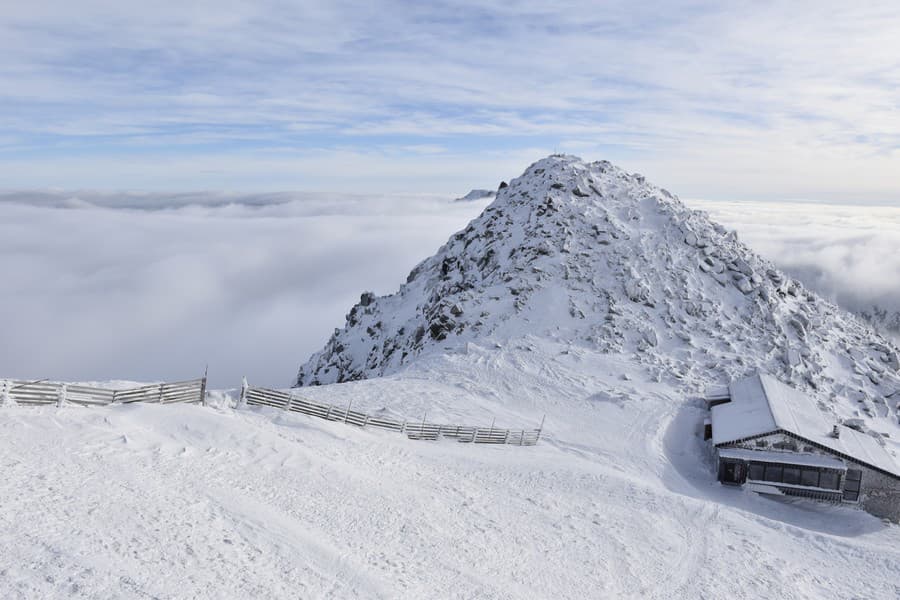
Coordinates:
<point>884,320</point>
<point>593,257</point>
<point>617,501</point>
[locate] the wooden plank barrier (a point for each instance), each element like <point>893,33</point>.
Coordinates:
<point>414,430</point>
<point>31,393</point>
<point>163,393</point>
<point>48,393</point>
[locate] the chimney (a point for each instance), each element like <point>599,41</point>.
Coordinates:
<point>836,432</point>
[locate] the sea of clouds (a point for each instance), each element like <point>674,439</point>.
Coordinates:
<point>847,253</point>
<point>157,286</point>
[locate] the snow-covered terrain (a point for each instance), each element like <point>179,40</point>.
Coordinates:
<point>844,252</point>
<point>596,258</point>
<point>582,294</point>
<point>883,319</point>
<point>617,501</point>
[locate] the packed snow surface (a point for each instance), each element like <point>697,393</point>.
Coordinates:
<point>617,501</point>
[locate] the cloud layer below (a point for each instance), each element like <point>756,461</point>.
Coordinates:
<point>93,290</point>
<point>151,286</point>
<point>849,254</point>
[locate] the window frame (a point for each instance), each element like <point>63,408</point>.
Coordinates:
<point>807,471</point>
<point>795,471</point>
<point>772,467</point>
<point>829,473</point>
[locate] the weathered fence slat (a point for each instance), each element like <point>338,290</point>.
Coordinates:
<point>414,430</point>
<point>43,392</point>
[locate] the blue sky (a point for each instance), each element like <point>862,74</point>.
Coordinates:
<point>712,100</point>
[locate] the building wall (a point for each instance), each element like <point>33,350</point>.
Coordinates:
<point>879,494</point>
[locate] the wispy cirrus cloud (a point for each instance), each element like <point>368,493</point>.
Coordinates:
<point>774,99</point>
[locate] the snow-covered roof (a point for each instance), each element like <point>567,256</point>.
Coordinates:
<point>787,458</point>
<point>761,404</point>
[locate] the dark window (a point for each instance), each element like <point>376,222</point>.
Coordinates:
<point>757,471</point>
<point>774,473</point>
<point>852,485</point>
<point>809,477</point>
<point>829,480</point>
<point>792,475</point>
<point>732,472</point>
<point>761,443</point>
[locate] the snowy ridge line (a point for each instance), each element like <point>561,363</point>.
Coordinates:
<point>46,392</point>
<point>414,430</point>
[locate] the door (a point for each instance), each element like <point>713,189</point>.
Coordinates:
<point>732,472</point>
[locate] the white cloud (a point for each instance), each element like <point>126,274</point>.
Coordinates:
<point>850,254</point>
<point>780,98</point>
<point>155,285</point>
<point>93,290</point>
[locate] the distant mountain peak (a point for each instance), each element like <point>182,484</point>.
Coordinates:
<point>587,254</point>
<point>476,194</point>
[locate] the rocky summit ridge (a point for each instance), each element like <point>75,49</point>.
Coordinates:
<point>589,255</point>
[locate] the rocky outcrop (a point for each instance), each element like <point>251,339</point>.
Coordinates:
<point>588,254</point>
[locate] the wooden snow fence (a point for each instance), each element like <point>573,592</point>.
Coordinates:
<point>414,430</point>
<point>44,392</point>
<point>165,393</point>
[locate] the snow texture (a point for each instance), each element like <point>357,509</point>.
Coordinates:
<point>597,258</point>
<point>619,500</point>
<point>761,404</point>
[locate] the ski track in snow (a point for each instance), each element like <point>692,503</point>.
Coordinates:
<point>617,501</point>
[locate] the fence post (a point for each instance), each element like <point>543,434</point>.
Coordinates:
<point>290,401</point>
<point>347,413</point>
<point>161,393</point>
<point>328,414</point>
<point>540,429</point>
<point>4,395</point>
<point>61,396</point>
<point>203,387</point>
<point>242,402</point>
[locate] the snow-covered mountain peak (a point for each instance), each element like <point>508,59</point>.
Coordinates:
<point>588,255</point>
